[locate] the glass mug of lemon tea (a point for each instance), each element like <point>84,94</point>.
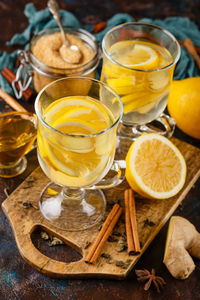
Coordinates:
<point>138,63</point>
<point>17,135</point>
<point>77,128</point>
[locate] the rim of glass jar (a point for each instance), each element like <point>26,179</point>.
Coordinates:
<point>38,114</point>
<point>149,25</point>
<point>53,72</point>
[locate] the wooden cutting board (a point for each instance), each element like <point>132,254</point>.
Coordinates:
<point>151,216</point>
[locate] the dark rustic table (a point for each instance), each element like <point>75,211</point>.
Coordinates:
<point>18,280</point>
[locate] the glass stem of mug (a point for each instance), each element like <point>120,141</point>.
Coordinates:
<point>76,199</point>
<point>73,193</point>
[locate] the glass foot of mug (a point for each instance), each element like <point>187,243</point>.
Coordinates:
<point>163,125</point>
<point>10,170</point>
<point>72,209</point>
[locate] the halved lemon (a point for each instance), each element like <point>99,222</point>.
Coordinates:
<point>155,167</point>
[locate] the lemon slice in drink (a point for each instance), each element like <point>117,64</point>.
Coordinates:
<point>79,127</point>
<point>74,141</point>
<point>155,167</point>
<point>74,106</point>
<point>73,113</point>
<point>49,151</point>
<point>135,54</point>
<point>71,163</point>
<point>74,126</point>
<point>141,57</point>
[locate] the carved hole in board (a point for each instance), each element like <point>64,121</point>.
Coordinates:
<point>59,252</point>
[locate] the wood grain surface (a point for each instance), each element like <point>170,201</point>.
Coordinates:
<point>25,221</point>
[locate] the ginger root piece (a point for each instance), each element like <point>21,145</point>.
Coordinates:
<point>183,241</point>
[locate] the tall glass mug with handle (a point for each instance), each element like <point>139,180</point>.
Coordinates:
<point>138,63</point>
<point>77,127</point>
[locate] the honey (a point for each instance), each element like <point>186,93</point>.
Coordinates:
<point>17,135</point>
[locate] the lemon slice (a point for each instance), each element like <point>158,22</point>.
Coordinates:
<point>72,164</point>
<point>76,143</point>
<point>104,143</point>
<point>48,151</point>
<point>72,113</point>
<point>159,81</point>
<point>135,54</point>
<point>122,85</point>
<point>141,104</point>
<point>78,126</point>
<point>141,57</point>
<point>64,105</point>
<point>155,167</point>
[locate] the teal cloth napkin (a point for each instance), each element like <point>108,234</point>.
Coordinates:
<point>181,28</point>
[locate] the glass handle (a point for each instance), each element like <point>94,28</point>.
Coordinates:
<point>31,147</point>
<point>166,121</point>
<point>118,170</point>
<point>34,144</point>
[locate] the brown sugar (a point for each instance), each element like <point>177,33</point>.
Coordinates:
<point>46,50</point>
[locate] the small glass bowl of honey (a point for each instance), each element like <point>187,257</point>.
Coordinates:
<point>17,136</point>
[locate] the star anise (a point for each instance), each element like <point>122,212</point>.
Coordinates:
<point>145,275</point>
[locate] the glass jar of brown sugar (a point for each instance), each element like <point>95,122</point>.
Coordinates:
<point>46,63</point>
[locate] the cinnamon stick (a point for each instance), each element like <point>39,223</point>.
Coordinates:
<point>131,223</point>
<point>189,46</point>
<point>104,234</point>
<point>99,27</point>
<point>196,47</point>
<point>129,235</point>
<point>9,75</point>
<point>11,101</point>
<point>133,220</point>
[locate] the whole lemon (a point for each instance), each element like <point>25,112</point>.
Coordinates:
<point>184,105</point>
